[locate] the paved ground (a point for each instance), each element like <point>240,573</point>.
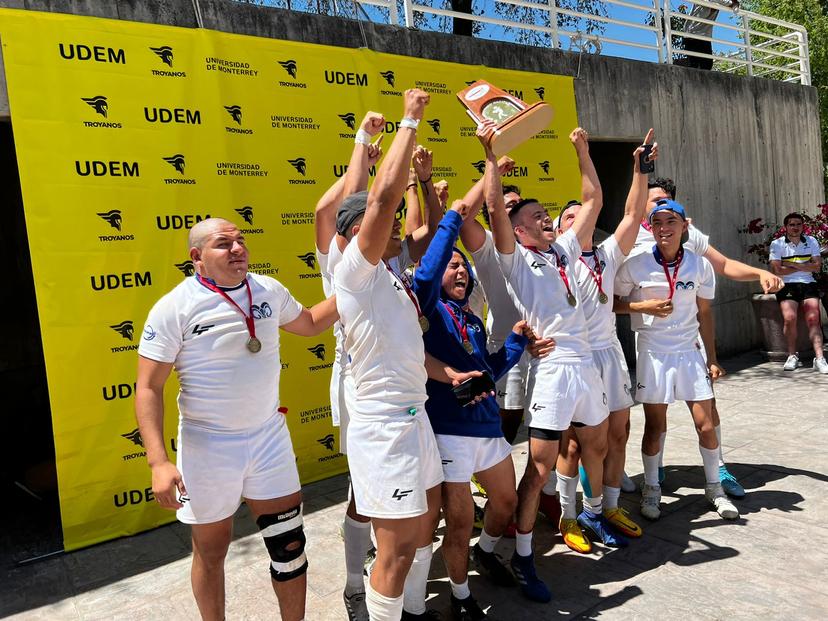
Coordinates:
<point>689,565</point>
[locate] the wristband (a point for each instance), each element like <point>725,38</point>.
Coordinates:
<point>409,123</point>
<point>362,137</point>
<point>424,181</point>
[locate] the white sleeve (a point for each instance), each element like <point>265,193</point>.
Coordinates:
<point>355,272</point>
<point>697,242</point>
<point>612,251</point>
<point>289,307</point>
<point>163,334</point>
<point>815,245</point>
<point>327,281</point>
<point>405,257</point>
<point>707,282</point>
<point>569,242</point>
<point>775,250</point>
<point>624,283</point>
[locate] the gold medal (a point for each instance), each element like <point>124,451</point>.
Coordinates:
<point>571,299</point>
<point>254,345</point>
<point>467,345</point>
<point>602,298</point>
<point>424,325</point>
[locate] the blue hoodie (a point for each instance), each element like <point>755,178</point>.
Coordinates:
<point>444,341</point>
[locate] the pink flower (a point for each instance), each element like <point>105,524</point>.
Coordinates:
<point>755,226</point>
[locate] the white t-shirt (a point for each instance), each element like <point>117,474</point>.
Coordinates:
<point>697,242</point>
<point>599,317</point>
<point>224,387</point>
<point>502,315</point>
<point>642,278</point>
<point>539,295</point>
<point>327,266</point>
<point>382,335</point>
<point>802,252</point>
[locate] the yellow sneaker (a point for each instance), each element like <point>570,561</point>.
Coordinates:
<point>574,537</point>
<point>621,520</point>
<point>480,489</point>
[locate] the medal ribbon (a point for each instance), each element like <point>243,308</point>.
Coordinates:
<point>408,290</point>
<point>463,328</point>
<point>597,274</point>
<point>561,269</point>
<point>660,260</point>
<point>211,285</point>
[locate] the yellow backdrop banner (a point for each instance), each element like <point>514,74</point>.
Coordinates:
<point>127,134</point>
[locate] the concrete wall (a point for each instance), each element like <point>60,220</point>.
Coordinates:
<point>738,148</point>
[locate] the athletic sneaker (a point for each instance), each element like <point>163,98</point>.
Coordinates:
<point>650,497</point>
<point>355,606</point>
<point>715,494</point>
<point>627,484</point>
<point>729,483</point>
<point>466,609</point>
<point>622,522</point>
<point>603,530</point>
<point>574,537</point>
<point>478,517</point>
<point>821,365</point>
<point>489,564</point>
<point>533,587</point>
<point>792,363</point>
<point>550,506</point>
<point>426,616</point>
<point>480,489</point>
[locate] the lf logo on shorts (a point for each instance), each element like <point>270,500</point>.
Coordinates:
<point>605,398</point>
<point>639,385</point>
<point>399,494</point>
<point>198,330</point>
<point>537,406</point>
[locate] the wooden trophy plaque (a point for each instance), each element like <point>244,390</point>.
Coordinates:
<point>516,120</point>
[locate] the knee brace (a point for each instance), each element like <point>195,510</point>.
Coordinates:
<point>284,537</point>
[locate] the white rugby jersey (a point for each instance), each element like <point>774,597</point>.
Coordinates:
<point>540,296</point>
<point>599,317</point>
<point>642,278</point>
<point>502,315</point>
<point>802,252</point>
<point>697,242</point>
<point>224,387</point>
<point>382,335</point>
<point>327,265</point>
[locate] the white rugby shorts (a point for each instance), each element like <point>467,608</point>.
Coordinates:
<point>221,468</point>
<point>463,456</point>
<point>393,460</point>
<point>562,393</point>
<point>342,394</point>
<point>612,367</point>
<point>665,378</point>
<point>511,388</point>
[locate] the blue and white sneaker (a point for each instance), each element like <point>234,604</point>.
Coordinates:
<point>533,587</point>
<point>730,485</point>
<point>597,524</point>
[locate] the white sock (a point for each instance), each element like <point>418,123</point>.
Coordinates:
<point>661,440</point>
<point>382,608</point>
<point>357,537</point>
<point>568,494</point>
<point>486,542</point>
<point>594,505</point>
<point>710,459</point>
<point>551,487</point>
<point>416,582</point>
<point>611,495</point>
<point>719,436</point>
<point>460,591</point>
<point>523,543</point>
<point>650,468</point>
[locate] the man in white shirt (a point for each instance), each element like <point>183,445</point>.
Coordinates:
<point>220,331</point>
<point>670,366</point>
<point>796,257</point>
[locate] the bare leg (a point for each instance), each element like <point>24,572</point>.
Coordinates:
<point>542,457</point>
<point>210,544</point>
<point>811,309</point>
<point>789,311</point>
<point>617,436</point>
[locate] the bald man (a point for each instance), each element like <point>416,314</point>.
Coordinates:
<point>220,331</point>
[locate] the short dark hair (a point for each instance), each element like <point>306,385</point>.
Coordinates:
<point>520,205</point>
<point>559,219</point>
<point>791,216</point>
<point>510,188</point>
<point>668,185</point>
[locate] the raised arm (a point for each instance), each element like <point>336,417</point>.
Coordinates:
<point>387,191</point>
<point>502,229</point>
<point>627,230</point>
<point>736,270</point>
<point>592,199</point>
<point>473,235</point>
<point>413,211</point>
<point>421,237</point>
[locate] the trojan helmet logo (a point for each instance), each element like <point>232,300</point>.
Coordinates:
<point>389,77</point>
<point>125,329</point>
<point>308,259</point>
<point>480,166</point>
<point>98,103</point>
<point>348,118</point>
<point>176,161</point>
<point>134,436</point>
<point>544,166</point>
<point>327,442</point>
<point>540,92</point>
<point>318,351</point>
<point>470,82</point>
<point>289,66</point>
<point>246,212</point>
<point>165,53</point>
<point>299,165</point>
<point>186,267</point>
<point>113,217</point>
<point>235,112</point>
<point>260,312</point>
<point>435,125</point>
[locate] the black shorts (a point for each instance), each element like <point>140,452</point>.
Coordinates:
<point>798,291</point>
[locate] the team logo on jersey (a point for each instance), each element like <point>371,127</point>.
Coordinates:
<point>318,351</point>
<point>396,285</point>
<point>479,166</point>
<point>125,329</point>
<point>165,53</point>
<point>113,217</point>
<point>399,494</point>
<point>186,267</point>
<point>246,212</point>
<point>327,442</point>
<point>389,77</point>
<point>536,266</point>
<point>685,285</point>
<point>149,333</point>
<point>289,66</point>
<point>537,407</point>
<point>501,393</point>
<point>544,166</point>
<point>98,104</point>
<point>308,259</point>
<point>261,311</point>
<point>540,92</point>
<point>563,260</point>
<point>176,161</point>
<point>349,119</point>
<point>134,436</point>
<point>435,125</point>
<point>299,164</point>
<point>235,112</point>
<point>198,330</point>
